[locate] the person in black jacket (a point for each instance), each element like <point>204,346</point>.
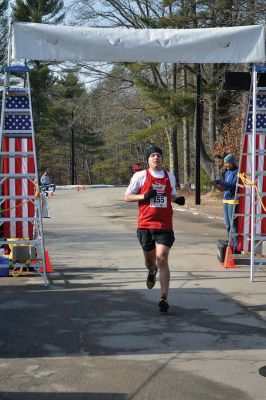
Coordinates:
<point>230,202</point>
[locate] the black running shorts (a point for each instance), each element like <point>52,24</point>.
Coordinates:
<point>148,238</point>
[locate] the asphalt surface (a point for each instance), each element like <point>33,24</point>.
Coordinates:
<point>95,333</point>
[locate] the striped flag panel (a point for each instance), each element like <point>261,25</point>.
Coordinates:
<point>244,222</point>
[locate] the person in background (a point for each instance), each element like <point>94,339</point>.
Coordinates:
<point>230,202</point>
<point>45,179</point>
<point>46,184</point>
<point>137,166</point>
<point>154,190</point>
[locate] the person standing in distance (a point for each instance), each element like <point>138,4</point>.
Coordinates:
<point>154,189</point>
<point>45,179</point>
<point>230,201</point>
<point>45,182</point>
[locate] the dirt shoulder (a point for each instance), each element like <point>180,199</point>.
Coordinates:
<point>211,203</point>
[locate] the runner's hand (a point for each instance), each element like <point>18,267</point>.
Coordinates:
<point>180,201</point>
<point>151,193</point>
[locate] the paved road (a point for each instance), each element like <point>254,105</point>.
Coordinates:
<point>96,333</point>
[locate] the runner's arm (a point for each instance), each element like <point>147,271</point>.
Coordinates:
<point>180,200</point>
<point>132,193</point>
<point>173,186</point>
<point>133,197</point>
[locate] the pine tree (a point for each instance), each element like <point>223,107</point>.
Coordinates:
<point>39,11</point>
<point>163,83</point>
<point>66,119</point>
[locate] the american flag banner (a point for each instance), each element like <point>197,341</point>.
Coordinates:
<point>15,125</point>
<point>244,222</point>
<point>20,199</point>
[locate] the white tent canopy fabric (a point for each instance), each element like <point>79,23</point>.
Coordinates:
<point>240,44</point>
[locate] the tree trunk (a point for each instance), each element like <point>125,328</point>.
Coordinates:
<point>173,155</point>
<point>205,161</point>
<point>186,138</point>
<point>186,148</point>
<point>88,164</point>
<point>212,112</point>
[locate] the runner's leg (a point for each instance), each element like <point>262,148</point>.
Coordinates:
<point>162,253</point>
<point>150,260</point>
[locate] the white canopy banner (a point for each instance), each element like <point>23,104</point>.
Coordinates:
<point>240,44</point>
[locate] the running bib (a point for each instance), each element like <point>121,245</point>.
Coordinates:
<point>159,201</point>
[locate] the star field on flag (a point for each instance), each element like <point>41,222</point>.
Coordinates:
<point>20,121</point>
<point>261,113</point>
<point>21,102</point>
<point>17,122</point>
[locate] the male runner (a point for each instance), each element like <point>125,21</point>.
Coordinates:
<point>154,189</point>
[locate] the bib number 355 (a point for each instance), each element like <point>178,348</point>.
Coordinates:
<point>159,201</point>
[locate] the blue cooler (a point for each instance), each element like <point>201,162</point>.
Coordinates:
<point>4,266</point>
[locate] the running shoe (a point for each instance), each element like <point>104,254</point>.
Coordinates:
<point>151,279</point>
<point>163,304</point>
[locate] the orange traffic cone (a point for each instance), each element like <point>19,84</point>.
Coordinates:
<point>47,262</point>
<point>228,259</point>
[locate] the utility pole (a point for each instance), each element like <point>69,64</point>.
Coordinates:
<point>72,151</point>
<point>198,134</point>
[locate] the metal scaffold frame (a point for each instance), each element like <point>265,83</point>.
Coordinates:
<point>15,185</point>
<point>254,177</point>
<point>249,187</point>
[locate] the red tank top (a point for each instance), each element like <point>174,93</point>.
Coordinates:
<point>156,213</point>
